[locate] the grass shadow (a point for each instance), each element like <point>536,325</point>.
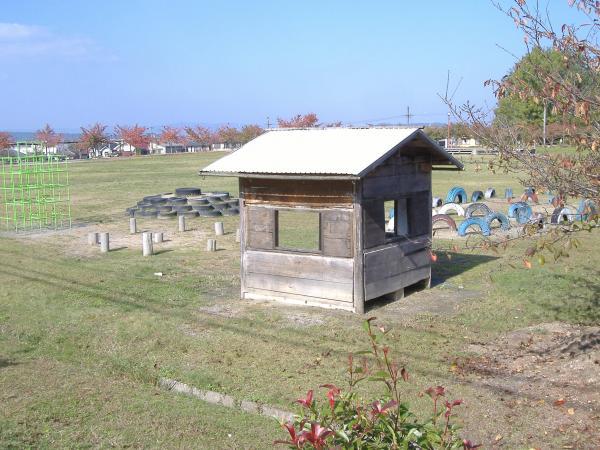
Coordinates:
<point>453,264</point>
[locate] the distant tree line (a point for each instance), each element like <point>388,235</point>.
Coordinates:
<point>97,136</point>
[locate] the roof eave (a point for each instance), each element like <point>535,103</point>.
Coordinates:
<point>286,176</point>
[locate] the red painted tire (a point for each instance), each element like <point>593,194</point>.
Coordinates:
<point>444,218</point>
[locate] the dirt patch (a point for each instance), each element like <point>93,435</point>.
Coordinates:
<point>554,368</point>
<point>303,320</point>
<point>447,299</point>
<point>226,310</point>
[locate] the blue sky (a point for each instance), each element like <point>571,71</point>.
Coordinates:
<point>71,62</point>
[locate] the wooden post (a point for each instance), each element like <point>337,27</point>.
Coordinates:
<point>237,235</point>
<point>132,225</point>
<point>158,237</point>
<point>211,245</point>
<point>104,243</point>
<point>93,239</point>
<point>359,275</point>
<point>181,220</point>
<point>147,249</point>
<point>219,230</point>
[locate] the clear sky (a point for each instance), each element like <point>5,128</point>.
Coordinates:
<point>72,62</point>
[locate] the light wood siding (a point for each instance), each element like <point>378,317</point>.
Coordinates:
<point>336,233</point>
<point>306,275</point>
<point>260,227</point>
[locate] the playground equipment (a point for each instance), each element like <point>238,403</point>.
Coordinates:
<point>34,193</point>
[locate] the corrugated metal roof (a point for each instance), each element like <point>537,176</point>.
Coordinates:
<point>327,151</point>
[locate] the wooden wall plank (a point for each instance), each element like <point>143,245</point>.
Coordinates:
<point>390,262</point>
<point>296,192</point>
<point>312,267</point>
<point>373,223</point>
<point>336,233</point>
<point>378,288</point>
<point>312,288</point>
<point>390,186</point>
<point>260,227</point>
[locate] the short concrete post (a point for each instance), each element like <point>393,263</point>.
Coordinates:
<point>132,225</point>
<point>181,223</point>
<point>147,249</point>
<point>158,237</point>
<point>238,235</point>
<point>211,245</point>
<point>104,243</point>
<point>219,230</point>
<point>93,238</point>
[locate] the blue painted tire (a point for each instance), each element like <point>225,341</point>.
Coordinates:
<point>508,193</point>
<point>523,214</point>
<point>476,196</point>
<point>513,208</point>
<point>455,192</point>
<point>481,223</point>
<point>475,207</point>
<point>504,222</point>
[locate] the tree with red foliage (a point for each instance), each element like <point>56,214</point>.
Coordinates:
<point>5,140</point>
<point>228,135</point>
<point>93,138</point>
<point>200,135</point>
<point>299,121</point>
<point>171,135</point>
<point>249,132</point>
<point>48,137</point>
<point>136,136</point>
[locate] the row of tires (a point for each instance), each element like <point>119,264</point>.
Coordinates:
<point>187,202</point>
<point>483,223</point>
<point>458,195</point>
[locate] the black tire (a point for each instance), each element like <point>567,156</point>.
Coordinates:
<point>212,213</point>
<point>165,209</point>
<point>167,215</point>
<point>177,201</point>
<point>188,213</point>
<point>188,192</point>
<point>231,212</point>
<point>201,208</point>
<point>197,201</point>
<point>234,203</point>
<point>158,201</point>
<point>220,206</point>
<point>182,208</point>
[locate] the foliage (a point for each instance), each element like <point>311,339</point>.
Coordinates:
<point>249,132</point>
<point>93,138</point>
<point>228,135</point>
<point>136,136</point>
<point>200,135</point>
<point>171,135</point>
<point>571,83</point>
<point>347,421</point>
<point>48,137</point>
<point>5,140</point>
<point>299,121</point>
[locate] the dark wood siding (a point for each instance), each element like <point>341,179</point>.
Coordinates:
<point>336,233</point>
<point>260,226</point>
<point>316,193</point>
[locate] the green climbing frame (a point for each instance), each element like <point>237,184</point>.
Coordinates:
<point>34,193</point>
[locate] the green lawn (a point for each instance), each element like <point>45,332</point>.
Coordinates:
<point>84,337</point>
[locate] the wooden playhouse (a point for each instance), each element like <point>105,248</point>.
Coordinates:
<point>314,204</point>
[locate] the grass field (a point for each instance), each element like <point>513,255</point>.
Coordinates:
<point>85,337</point>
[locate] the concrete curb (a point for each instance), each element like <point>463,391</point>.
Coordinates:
<point>217,398</point>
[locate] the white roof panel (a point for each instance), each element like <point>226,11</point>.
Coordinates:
<point>340,151</point>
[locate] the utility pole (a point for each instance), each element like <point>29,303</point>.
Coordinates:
<point>545,107</point>
<point>408,115</point>
<point>448,135</point>
<point>268,123</point>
